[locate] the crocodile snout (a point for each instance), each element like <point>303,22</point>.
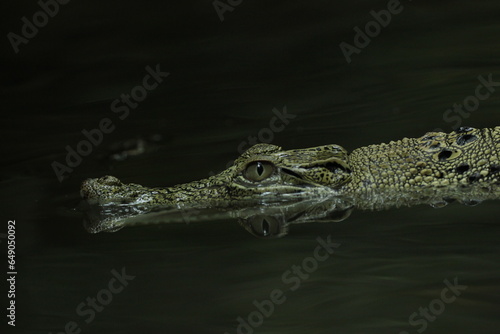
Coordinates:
<point>93,190</point>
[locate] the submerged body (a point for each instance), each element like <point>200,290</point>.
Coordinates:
<point>435,169</point>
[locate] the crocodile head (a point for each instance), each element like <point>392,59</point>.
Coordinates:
<point>262,170</point>
<point>267,168</point>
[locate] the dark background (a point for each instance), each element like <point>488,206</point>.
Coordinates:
<point>225,79</point>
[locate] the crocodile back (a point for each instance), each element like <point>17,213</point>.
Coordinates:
<point>467,158</point>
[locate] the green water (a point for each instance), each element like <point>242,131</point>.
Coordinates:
<point>225,80</point>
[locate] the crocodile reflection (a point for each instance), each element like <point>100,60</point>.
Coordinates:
<point>263,220</point>
<point>277,226</point>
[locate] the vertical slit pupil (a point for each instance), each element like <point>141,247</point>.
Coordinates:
<point>265,227</point>
<point>260,168</point>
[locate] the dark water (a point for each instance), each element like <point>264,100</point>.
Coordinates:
<point>225,80</point>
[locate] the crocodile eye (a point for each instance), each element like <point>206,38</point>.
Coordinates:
<point>258,170</point>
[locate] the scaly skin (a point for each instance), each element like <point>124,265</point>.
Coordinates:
<point>434,169</point>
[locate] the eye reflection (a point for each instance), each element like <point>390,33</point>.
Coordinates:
<point>265,226</point>
<point>258,170</point>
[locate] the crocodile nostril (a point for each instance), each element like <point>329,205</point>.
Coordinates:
<point>87,189</point>
<point>110,180</point>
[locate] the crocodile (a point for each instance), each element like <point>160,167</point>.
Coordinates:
<point>435,169</point>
